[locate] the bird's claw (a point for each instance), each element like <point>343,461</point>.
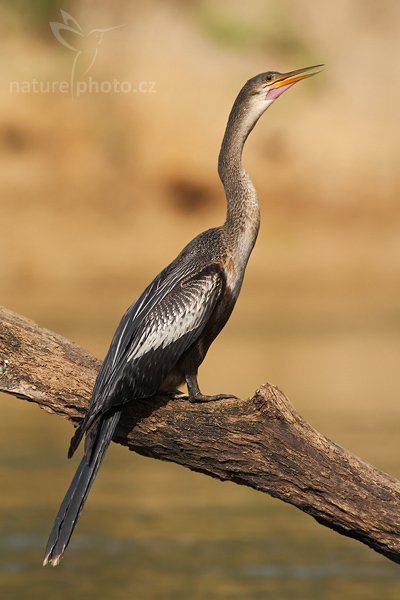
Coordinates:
<point>198,398</point>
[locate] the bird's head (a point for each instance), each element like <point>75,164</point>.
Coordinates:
<point>257,94</point>
<point>261,91</point>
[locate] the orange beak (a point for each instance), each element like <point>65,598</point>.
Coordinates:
<point>295,76</point>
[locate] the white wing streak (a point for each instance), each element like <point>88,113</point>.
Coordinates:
<point>180,311</point>
<point>152,295</point>
<point>178,302</point>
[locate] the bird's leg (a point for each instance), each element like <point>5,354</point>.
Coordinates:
<point>195,395</point>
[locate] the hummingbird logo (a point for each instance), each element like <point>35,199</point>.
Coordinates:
<point>69,33</point>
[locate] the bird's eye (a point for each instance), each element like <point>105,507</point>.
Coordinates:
<point>269,77</point>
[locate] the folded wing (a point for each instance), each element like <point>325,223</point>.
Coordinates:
<point>152,336</point>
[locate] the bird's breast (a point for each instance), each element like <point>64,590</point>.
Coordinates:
<point>234,275</point>
<point>236,261</point>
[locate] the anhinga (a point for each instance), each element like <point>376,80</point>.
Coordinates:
<point>164,336</point>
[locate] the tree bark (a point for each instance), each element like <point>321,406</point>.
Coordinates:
<point>260,442</point>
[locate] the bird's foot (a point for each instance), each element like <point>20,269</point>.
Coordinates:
<point>195,395</point>
<point>197,398</point>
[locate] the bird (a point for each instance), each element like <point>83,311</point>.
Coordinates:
<point>164,336</point>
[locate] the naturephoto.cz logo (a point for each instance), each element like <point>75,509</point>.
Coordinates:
<point>85,47</point>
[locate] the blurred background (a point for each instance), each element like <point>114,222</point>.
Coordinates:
<point>108,151</point>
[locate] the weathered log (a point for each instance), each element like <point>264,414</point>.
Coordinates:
<point>260,442</point>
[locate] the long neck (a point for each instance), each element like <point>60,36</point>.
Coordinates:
<point>243,214</point>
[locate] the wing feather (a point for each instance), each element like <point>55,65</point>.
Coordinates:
<point>132,318</point>
<point>154,333</point>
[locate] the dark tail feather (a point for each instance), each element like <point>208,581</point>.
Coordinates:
<point>78,490</point>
